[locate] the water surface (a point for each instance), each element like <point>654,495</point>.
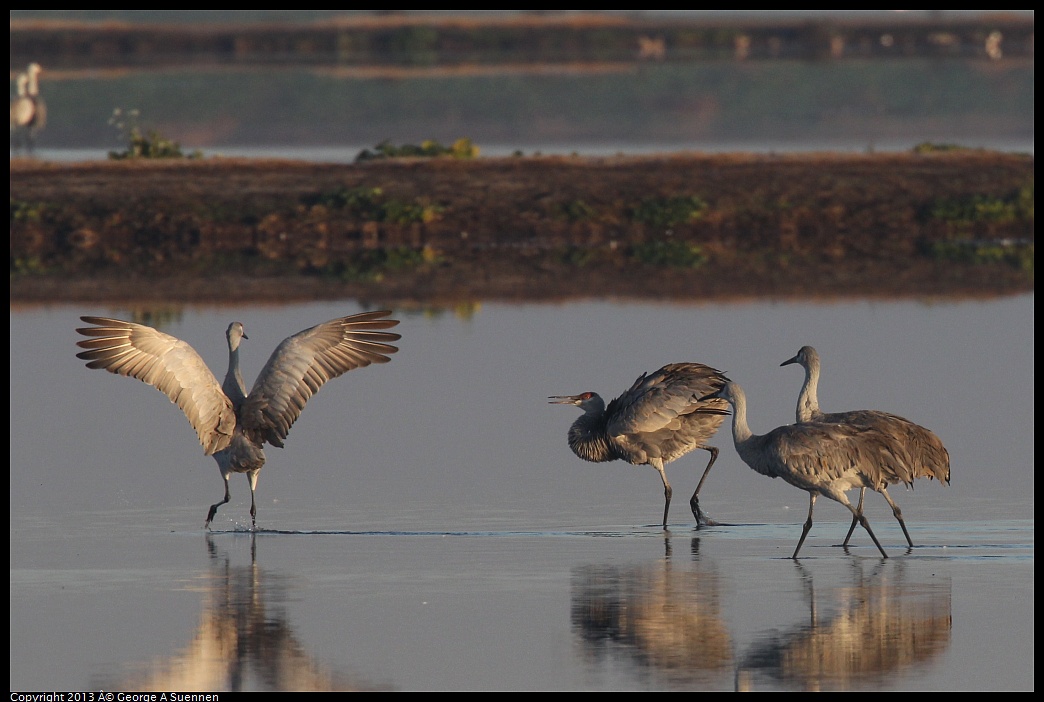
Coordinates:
<point>426,526</point>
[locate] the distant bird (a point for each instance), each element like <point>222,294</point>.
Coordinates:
<point>821,458</point>
<point>232,425</point>
<point>923,454</point>
<point>660,418</point>
<point>28,110</point>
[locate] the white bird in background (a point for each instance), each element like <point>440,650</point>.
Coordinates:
<point>28,109</point>
<point>923,454</point>
<point>232,425</point>
<point>819,457</point>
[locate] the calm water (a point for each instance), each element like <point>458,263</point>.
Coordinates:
<point>714,106</point>
<point>426,526</point>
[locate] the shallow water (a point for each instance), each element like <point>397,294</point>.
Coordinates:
<point>427,527</point>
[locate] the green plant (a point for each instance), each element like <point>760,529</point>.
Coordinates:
<point>22,211</point>
<point>669,211</point>
<point>366,203</point>
<point>150,144</point>
<point>371,205</point>
<point>677,254</point>
<point>461,148</point>
<point>373,265</point>
<point>577,211</point>
<point>1014,207</point>
<point>31,265</point>
<point>1018,254</point>
<point>577,256</point>
<point>927,147</point>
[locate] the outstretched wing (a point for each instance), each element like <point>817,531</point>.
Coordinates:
<point>656,400</point>
<point>304,362</point>
<point>168,364</point>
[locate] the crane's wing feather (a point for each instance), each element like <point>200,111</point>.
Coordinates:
<point>168,364</point>
<point>916,452</point>
<point>814,454</point>
<point>304,362</point>
<point>657,399</point>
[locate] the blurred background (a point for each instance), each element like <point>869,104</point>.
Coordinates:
<point>326,84</point>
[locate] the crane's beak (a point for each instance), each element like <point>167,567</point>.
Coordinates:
<point>564,400</point>
<point>789,361</point>
<point>711,396</point>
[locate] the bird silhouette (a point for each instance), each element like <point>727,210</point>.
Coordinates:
<point>819,457</point>
<point>657,420</point>
<point>923,454</point>
<point>233,426</point>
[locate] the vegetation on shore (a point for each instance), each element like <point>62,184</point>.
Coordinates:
<point>647,226</point>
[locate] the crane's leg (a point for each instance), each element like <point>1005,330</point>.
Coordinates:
<point>862,520</point>
<point>667,491</point>
<point>898,515</point>
<point>214,507</point>
<point>252,477</point>
<point>855,520</point>
<point>808,523</point>
<point>694,502</point>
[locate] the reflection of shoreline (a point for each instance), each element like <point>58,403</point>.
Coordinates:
<point>42,292</point>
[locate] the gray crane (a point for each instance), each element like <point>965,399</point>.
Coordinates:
<point>819,457</point>
<point>28,109</point>
<point>658,419</point>
<point>924,455</point>
<point>232,425</point>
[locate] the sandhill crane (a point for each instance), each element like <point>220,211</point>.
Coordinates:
<point>821,458</point>
<point>232,425</point>
<point>28,110</point>
<point>925,455</point>
<point>660,418</point>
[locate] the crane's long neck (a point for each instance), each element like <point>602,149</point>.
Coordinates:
<point>808,400</point>
<point>33,84</point>
<point>741,433</point>
<point>234,386</point>
<point>749,446</point>
<point>588,437</point>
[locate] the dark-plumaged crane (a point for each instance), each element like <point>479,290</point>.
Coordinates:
<point>658,419</point>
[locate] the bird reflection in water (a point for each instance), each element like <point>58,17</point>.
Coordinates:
<point>244,641</point>
<point>667,621</point>
<point>882,627</point>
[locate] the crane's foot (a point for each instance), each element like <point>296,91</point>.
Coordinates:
<point>702,519</point>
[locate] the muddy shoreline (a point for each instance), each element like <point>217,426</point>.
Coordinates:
<point>682,227</point>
